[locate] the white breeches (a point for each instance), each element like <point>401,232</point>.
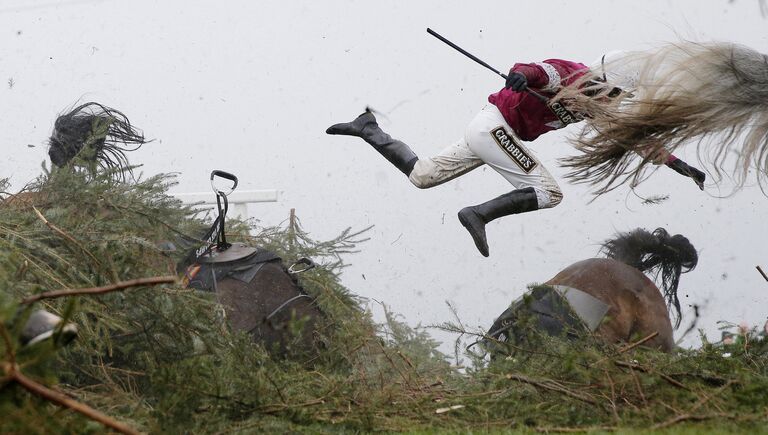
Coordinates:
<point>489,140</point>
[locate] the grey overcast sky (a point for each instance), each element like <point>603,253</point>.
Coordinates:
<point>250,87</point>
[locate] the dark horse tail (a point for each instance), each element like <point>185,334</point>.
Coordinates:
<point>659,253</point>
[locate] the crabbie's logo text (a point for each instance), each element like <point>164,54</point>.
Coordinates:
<point>564,115</point>
<point>514,150</point>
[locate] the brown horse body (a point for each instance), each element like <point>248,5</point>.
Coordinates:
<point>272,309</point>
<point>258,294</point>
<point>636,306</point>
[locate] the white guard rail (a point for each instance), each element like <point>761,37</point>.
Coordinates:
<point>238,200</point>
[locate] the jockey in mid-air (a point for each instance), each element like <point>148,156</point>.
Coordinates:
<point>498,136</point>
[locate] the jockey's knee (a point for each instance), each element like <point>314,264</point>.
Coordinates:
<point>424,175</point>
<point>548,197</point>
<point>442,168</point>
<point>421,182</point>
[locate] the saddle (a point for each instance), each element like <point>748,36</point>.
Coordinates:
<point>239,261</point>
<point>217,259</point>
<point>556,310</point>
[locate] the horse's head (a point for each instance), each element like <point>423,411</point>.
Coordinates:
<point>96,135</point>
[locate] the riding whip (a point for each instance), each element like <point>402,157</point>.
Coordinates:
<point>476,59</point>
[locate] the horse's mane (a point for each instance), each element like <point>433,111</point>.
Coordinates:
<point>667,256</point>
<point>96,134</point>
<point>714,95</point>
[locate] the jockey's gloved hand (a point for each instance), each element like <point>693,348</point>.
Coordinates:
<point>516,81</point>
<point>687,170</point>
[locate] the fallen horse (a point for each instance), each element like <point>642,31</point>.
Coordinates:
<point>610,297</point>
<point>259,294</point>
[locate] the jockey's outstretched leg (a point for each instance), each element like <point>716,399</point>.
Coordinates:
<point>451,162</point>
<point>366,127</point>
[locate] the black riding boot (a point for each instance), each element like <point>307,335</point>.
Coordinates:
<point>474,218</point>
<point>365,126</point>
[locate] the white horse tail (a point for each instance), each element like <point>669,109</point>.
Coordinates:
<point>712,94</point>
